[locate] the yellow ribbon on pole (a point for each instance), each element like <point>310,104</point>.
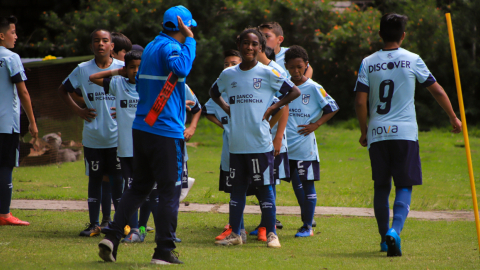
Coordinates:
<point>464,124</point>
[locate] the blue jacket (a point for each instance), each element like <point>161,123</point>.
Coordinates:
<point>161,56</point>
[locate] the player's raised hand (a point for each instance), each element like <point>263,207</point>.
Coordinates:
<point>186,31</point>
<point>456,124</point>
<point>87,114</point>
<point>123,72</point>
<point>363,140</point>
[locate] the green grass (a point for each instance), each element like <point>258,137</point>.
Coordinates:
<point>345,172</point>
<point>52,242</point>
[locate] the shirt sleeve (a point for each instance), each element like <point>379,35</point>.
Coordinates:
<point>362,85</point>
<point>108,86</point>
<point>72,82</point>
<point>16,70</point>
<point>326,102</point>
<point>422,73</point>
<point>209,107</point>
<point>218,87</point>
<point>180,57</point>
<point>279,82</point>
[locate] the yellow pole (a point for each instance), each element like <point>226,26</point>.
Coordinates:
<point>464,124</point>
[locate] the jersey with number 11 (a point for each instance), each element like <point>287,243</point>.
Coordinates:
<point>389,79</point>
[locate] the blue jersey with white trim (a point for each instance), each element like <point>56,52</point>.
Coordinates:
<point>101,132</point>
<point>11,72</point>
<point>312,103</point>
<point>161,56</point>
<point>213,108</point>
<point>126,100</point>
<point>250,93</point>
<point>389,79</point>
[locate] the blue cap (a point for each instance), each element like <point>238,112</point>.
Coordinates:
<point>171,16</point>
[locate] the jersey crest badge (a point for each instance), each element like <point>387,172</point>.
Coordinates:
<point>305,98</point>
<point>257,83</point>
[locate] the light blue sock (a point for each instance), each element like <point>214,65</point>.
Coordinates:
<point>401,207</point>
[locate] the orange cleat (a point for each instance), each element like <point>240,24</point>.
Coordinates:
<point>11,220</point>
<point>262,234</point>
<point>226,232</point>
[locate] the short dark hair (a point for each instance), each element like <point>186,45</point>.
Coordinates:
<point>296,51</point>
<point>132,55</point>
<point>121,42</point>
<point>232,52</point>
<point>270,53</point>
<point>392,27</point>
<point>5,23</point>
<point>274,26</point>
<point>97,30</point>
<point>255,31</point>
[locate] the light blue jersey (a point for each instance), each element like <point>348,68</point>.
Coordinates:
<point>101,132</point>
<point>213,108</point>
<point>250,93</point>
<point>280,59</point>
<point>11,72</point>
<point>389,79</point>
<point>189,95</point>
<point>126,100</point>
<point>282,72</point>
<point>306,109</point>
<point>279,68</point>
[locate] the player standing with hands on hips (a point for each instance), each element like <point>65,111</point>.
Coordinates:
<point>158,148</point>
<point>386,81</point>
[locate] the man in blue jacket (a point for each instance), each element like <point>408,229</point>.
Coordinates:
<point>158,149</point>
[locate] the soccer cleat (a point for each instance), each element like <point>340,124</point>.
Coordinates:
<point>165,257</point>
<point>126,230</point>
<point>91,230</point>
<point>185,191</point>
<point>226,232</point>
<point>150,229</point>
<point>383,247</point>
<point>107,249</point>
<point>254,232</point>
<point>243,234</point>
<point>13,221</point>
<point>278,224</point>
<point>273,241</point>
<point>304,232</point>
<point>262,234</point>
<point>133,237</point>
<point>231,240</point>
<point>393,243</point>
<point>105,222</point>
<point>142,232</point>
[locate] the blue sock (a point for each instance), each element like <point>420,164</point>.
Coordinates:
<point>106,200</point>
<point>401,207</point>
<point>6,188</point>
<point>297,188</point>
<point>267,205</point>
<point>274,191</point>
<point>237,205</point>
<point>262,221</point>
<point>310,202</point>
<point>94,197</point>
<point>381,208</point>
<point>116,182</point>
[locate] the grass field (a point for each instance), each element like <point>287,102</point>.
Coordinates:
<point>51,242</point>
<point>345,172</point>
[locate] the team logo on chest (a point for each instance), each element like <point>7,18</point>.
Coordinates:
<point>257,83</point>
<point>305,99</point>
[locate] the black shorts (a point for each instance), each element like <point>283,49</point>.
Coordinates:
<point>252,169</point>
<point>307,169</point>
<point>185,175</point>
<point>101,161</point>
<point>126,163</point>
<point>399,159</point>
<point>9,149</point>
<point>281,168</point>
<point>224,182</point>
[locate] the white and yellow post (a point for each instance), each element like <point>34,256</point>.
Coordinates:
<point>464,124</point>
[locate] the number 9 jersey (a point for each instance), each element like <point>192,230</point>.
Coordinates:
<point>388,76</point>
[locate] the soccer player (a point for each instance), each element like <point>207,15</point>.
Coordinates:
<point>122,45</point>
<point>126,99</point>
<point>386,81</point>
<point>307,113</point>
<point>14,93</point>
<point>158,149</point>
<point>99,128</point>
<point>250,87</point>
<point>274,35</point>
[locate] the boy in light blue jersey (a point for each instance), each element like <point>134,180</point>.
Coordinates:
<point>126,99</point>
<point>250,87</point>
<point>13,93</point>
<point>386,81</point>
<point>312,109</point>
<point>99,128</point>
